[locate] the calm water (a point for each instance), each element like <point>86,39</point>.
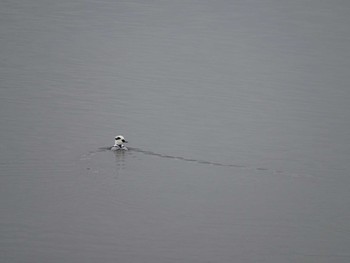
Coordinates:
<point>237,115</point>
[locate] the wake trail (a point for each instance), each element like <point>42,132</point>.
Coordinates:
<point>186,159</point>
<point>151,153</point>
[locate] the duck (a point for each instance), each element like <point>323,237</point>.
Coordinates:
<point>119,143</point>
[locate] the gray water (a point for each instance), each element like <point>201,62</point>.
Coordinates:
<point>237,115</point>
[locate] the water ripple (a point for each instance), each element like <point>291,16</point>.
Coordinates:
<point>147,152</point>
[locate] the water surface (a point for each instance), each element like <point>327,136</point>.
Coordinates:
<point>237,114</point>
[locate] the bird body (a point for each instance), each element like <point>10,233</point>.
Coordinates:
<point>119,143</point>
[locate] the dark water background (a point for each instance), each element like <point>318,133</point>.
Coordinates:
<point>237,115</point>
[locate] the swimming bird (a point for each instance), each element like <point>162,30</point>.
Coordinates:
<point>118,143</point>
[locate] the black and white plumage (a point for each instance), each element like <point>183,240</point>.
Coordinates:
<point>119,143</point>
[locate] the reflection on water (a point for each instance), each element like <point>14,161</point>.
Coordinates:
<point>120,158</point>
